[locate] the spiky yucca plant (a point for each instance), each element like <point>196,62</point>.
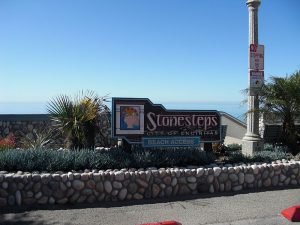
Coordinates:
<point>77,118</point>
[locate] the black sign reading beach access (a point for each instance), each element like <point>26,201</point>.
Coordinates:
<point>136,118</point>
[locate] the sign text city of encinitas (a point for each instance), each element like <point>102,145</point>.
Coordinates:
<point>138,120</point>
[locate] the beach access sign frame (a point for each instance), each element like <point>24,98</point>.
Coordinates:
<point>139,121</point>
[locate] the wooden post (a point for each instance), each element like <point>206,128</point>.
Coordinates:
<point>126,146</point>
<point>208,147</point>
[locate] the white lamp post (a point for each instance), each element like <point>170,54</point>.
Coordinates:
<point>252,141</point>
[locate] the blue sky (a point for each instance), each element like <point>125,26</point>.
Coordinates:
<point>166,50</point>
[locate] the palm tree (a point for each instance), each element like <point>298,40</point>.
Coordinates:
<point>77,118</point>
<point>280,99</point>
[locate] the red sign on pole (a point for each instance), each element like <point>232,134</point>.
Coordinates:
<point>256,57</point>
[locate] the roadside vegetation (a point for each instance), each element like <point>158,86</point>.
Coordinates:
<point>280,100</point>
<point>76,120</point>
<point>113,158</point>
<point>268,155</point>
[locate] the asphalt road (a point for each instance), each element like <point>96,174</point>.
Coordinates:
<point>246,208</point>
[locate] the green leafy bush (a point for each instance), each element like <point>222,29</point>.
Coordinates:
<point>52,160</point>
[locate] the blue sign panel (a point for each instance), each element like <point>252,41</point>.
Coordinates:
<point>171,142</point>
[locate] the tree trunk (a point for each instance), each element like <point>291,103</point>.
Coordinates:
<point>89,135</point>
<point>208,147</point>
<point>290,135</point>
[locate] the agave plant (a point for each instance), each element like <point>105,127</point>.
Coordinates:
<point>39,139</point>
<point>77,118</point>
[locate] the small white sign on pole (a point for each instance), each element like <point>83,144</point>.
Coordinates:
<point>256,79</point>
<point>256,57</point>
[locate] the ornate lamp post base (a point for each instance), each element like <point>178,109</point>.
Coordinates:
<point>252,144</point>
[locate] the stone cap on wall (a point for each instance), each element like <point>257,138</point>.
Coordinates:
<point>24,117</point>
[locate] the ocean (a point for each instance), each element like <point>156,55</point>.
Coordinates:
<point>235,109</point>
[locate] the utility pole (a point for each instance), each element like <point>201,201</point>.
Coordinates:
<point>252,141</point>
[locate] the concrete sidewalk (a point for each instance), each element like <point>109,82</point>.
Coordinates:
<point>246,208</point>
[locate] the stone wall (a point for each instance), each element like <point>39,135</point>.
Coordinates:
<point>23,188</point>
<point>22,125</point>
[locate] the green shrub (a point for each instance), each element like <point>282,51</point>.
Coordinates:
<point>270,147</point>
<point>261,156</point>
<point>273,155</point>
<point>52,160</point>
<point>236,157</point>
<point>234,147</point>
<point>297,157</point>
<point>168,157</point>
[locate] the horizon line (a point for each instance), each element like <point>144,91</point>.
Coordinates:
<point>163,101</point>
